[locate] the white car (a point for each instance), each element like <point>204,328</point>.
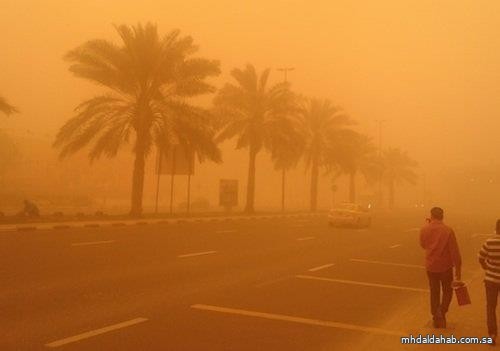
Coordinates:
<point>349,214</point>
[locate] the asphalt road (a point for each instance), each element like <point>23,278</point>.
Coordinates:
<point>246,284</point>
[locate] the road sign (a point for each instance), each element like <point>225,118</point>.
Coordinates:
<point>176,160</point>
<point>228,192</point>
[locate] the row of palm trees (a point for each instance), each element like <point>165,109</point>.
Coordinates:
<point>150,82</point>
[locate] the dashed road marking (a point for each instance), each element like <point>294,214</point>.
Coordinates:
<point>394,246</point>
<point>315,269</point>
<point>306,238</point>
<point>197,254</point>
<point>300,320</point>
<point>353,282</point>
<point>95,332</point>
<point>387,263</point>
<point>93,243</point>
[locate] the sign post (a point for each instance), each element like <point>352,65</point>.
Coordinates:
<point>228,193</point>
<point>177,160</point>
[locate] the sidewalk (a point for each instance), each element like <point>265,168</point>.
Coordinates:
<point>138,221</point>
<point>414,318</point>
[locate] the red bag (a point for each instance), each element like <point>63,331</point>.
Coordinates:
<point>462,294</point>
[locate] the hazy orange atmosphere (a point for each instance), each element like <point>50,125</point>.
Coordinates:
<point>295,217</point>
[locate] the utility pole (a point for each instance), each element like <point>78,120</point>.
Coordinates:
<point>285,71</point>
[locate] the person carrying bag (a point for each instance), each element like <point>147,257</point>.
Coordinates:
<point>442,259</point>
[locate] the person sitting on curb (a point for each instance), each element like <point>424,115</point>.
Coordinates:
<point>489,258</point>
<point>441,255</point>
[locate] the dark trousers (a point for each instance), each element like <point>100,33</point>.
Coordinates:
<point>492,290</point>
<point>438,281</point>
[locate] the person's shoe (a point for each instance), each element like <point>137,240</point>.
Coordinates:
<point>439,322</point>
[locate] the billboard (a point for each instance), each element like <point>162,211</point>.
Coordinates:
<point>228,192</point>
<point>177,160</point>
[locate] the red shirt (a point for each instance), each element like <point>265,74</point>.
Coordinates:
<point>441,248</point>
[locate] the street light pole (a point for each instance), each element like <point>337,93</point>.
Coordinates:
<point>379,195</point>
<point>285,71</point>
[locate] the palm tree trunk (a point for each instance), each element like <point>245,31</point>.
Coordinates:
<point>314,183</point>
<point>138,180</point>
<point>249,207</point>
<point>391,194</point>
<point>352,187</point>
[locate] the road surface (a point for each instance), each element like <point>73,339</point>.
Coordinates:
<point>245,284</point>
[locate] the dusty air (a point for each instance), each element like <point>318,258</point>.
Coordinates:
<point>267,175</point>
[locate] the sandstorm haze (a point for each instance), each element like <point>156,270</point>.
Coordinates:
<point>429,70</point>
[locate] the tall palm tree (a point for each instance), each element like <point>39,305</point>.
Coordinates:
<point>397,168</point>
<point>149,81</point>
<point>252,111</point>
<point>5,107</point>
<point>354,153</point>
<point>322,123</point>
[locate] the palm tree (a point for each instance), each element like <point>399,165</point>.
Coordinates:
<point>322,123</point>
<point>397,168</point>
<point>149,80</point>
<point>5,107</point>
<point>354,153</point>
<point>287,145</point>
<point>252,112</point>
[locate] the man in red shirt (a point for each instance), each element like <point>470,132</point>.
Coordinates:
<point>441,255</point>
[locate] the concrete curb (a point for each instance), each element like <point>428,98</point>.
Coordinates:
<point>97,224</point>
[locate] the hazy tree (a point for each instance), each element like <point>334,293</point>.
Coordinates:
<point>5,107</point>
<point>354,153</point>
<point>9,153</point>
<point>149,80</point>
<point>252,112</point>
<point>287,146</point>
<point>322,122</point>
<point>397,168</point>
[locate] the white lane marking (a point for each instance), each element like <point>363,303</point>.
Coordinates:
<point>306,238</point>
<point>93,243</point>
<point>315,269</point>
<point>226,231</point>
<point>354,282</point>
<point>475,235</point>
<point>394,246</point>
<point>197,254</point>
<point>387,263</point>
<point>293,319</point>
<point>96,332</point>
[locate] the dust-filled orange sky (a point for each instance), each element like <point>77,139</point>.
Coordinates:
<point>430,69</point>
